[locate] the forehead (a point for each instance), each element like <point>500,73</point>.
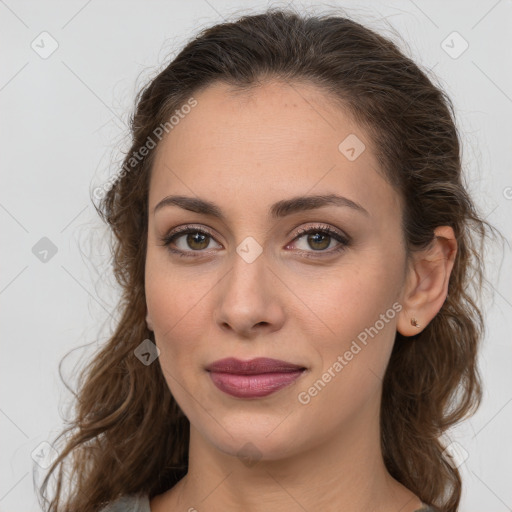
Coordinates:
<point>273,116</point>
<point>272,141</point>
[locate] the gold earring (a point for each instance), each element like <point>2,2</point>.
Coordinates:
<point>414,323</point>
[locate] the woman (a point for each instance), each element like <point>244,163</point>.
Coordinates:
<point>295,246</point>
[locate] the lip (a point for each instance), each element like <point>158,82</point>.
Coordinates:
<point>255,378</point>
<point>253,366</point>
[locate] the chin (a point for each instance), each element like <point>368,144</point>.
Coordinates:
<point>251,440</point>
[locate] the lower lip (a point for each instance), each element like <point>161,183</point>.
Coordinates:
<point>253,386</point>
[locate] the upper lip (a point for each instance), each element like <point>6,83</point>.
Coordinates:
<point>253,366</point>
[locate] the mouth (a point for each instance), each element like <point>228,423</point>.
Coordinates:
<point>255,378</point>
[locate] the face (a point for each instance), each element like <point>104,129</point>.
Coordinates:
<point>261,275</point>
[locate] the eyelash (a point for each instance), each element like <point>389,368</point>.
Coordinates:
<point>344,241</point>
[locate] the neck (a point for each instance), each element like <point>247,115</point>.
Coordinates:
<point>345,473</point>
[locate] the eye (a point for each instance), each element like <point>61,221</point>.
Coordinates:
<point>193,238</point>
<point>187,240</point>
<point>320,238</point>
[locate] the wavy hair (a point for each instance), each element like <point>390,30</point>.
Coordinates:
<point>125,411</point>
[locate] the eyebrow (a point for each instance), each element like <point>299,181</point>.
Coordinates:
<point>277,210</point>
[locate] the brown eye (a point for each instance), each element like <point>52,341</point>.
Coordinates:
<point>197,240</point>
<point>319,239</point>
<point>190,241</point>
<point>187,240</point>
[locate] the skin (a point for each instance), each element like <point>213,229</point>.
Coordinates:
<point>245,151</point>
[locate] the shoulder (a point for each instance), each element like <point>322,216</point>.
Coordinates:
<point>128,503</point>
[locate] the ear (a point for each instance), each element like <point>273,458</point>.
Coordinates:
<point>426,283</point>
<point>149,322</point>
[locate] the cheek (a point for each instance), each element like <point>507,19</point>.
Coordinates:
<point>174,299</point>
<point>351,356</point>
<point>361,329</point>
<point>352,297</point>
<point>355,319</point>
<point>173,292</point>
<point>173,305</point>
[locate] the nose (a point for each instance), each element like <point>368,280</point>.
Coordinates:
<point>249,303</point>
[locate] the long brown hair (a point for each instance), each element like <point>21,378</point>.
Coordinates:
<point>128,435</point>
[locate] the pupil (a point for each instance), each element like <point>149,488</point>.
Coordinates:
<point>196,238</point>
<point>314,239</point>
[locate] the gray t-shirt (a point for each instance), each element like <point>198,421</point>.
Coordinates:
<point>141,504</point>
<point>129,504</point>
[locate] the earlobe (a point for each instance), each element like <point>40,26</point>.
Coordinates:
<point>426,286</point>
<point>149,322</point>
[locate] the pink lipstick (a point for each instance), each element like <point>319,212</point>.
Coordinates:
<point>253,379</point>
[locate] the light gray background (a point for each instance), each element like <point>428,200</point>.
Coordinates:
<point>62,128</point>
